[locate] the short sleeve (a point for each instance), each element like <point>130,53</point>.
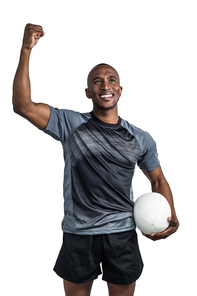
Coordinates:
<point>148,159</point>
<point>62,122</point>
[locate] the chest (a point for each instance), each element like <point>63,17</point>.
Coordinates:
<point>113,145</point>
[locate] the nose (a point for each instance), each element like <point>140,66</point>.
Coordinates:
<point>105,85</point>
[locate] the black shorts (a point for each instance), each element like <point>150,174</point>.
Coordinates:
<point>80,258</point>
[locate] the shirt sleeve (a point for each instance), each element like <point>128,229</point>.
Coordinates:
<point>62,122</point>
<point>148,159</point>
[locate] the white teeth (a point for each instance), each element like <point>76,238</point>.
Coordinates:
<point>106,96</point>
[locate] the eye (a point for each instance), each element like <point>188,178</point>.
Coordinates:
<point>112,80</point>
<point>96,81</point>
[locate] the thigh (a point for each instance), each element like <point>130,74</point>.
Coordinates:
<point>122,264</point>
<point>72,289</point>
<point>78,261</point>
<point>123,290</point>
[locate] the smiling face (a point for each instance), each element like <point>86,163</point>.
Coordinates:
<point>104,87</point>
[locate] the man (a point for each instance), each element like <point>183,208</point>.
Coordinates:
<point>100,152</point>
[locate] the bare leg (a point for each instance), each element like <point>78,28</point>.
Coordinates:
<point>72,289</point>
<point>123,290</point>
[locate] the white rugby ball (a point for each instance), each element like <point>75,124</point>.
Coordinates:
<point>151,211</point>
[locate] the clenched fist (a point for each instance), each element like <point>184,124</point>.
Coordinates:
<point>31,36</point>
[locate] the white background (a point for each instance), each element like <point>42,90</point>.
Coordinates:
<point>153,46</point>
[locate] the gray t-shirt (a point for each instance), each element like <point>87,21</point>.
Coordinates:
<point>100,160</point>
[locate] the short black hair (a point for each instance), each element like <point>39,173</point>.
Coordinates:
<point>101,64</point>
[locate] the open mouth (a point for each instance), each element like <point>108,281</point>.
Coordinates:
<point>106,97</point>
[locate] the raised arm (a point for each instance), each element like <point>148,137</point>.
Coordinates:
<point>37,113</point>
<point>160,185</point>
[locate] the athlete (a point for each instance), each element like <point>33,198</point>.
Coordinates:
<point>100,152</point>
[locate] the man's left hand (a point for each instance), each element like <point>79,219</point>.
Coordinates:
<point>172,228</point>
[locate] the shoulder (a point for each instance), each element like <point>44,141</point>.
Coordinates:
<point>66,114</point>
<point>148,159</point>
<point>135,131</point>
<point>63,122</point>
<point>144,139</point>
<point>68,118</point>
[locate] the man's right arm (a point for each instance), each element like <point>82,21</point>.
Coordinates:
<point>37,113</point>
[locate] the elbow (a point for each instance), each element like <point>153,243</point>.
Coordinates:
<point>160,182</point>
<point>18,108</point>
<point>20,111</point>
<point>15,105</point>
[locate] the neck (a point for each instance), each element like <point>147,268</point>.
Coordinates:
<point>108,116</point>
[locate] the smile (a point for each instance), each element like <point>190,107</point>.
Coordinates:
<point>106,97</point>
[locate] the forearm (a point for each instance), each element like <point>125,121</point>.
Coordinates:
<point>160,185</point>
<point>37,113</point>
<point>163,188</point>
<point>21,85</point>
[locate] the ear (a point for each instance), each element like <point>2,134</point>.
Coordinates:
<point>88,95</point>
<point>121,88</point>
